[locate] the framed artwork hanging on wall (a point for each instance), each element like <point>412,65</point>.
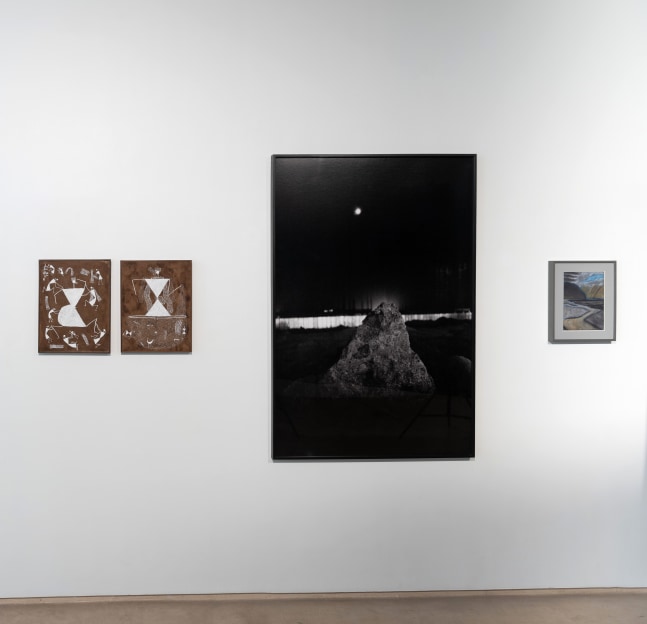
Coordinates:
<point>582,301</point>
<point>373,302</point>
<point>74,306</point>
<point>156,298</point>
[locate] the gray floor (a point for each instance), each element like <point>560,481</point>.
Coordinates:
<point>618,606</point>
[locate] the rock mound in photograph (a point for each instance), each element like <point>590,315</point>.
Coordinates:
<point>379,359</point>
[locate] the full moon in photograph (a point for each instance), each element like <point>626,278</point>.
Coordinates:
<point>357,211</point>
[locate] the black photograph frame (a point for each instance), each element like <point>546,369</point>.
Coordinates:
<point>582,301</point>
<point>373,306</point>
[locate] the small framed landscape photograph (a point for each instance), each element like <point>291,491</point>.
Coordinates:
<point>582,301</point>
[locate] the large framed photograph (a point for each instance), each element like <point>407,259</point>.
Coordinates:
<point>373,306</point>
<point>582,301</point>
<point>74,306</point>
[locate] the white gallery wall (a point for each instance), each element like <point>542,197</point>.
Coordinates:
<point>143,129</point>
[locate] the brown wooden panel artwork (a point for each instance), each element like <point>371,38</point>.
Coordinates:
<point>74,306</point>
<point>156,306</point>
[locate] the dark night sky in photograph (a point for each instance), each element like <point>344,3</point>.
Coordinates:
<point>350,232</point>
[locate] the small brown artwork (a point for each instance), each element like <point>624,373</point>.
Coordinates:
<point>156,306</point>
<point>74,306</point>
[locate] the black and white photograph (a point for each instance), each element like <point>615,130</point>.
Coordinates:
<point>373,306</point>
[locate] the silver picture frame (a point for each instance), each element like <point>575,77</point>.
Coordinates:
<point>582,306</point>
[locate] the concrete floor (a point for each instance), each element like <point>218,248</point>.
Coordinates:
<point>617,606</point>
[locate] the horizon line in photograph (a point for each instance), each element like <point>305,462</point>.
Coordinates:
<point>330,321</point>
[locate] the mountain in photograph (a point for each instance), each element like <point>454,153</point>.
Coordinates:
<point>594,290</point>
<point>572,292</point>
<point>583,285</point>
